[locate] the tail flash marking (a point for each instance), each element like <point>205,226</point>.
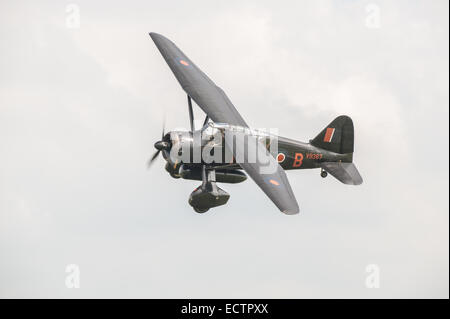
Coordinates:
<point>329,135</point>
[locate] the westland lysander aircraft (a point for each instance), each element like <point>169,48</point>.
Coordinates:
<point>331,150</point>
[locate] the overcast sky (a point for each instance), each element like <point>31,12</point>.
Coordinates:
<point>81,106</point>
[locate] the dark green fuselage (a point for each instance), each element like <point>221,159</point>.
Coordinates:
<point>291,155</point>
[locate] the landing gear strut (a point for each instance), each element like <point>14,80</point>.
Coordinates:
<point>323,173</point>
<point>207,195</point>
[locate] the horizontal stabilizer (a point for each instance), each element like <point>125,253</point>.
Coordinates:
<point>343,172</point>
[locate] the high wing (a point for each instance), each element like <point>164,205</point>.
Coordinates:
<point>269,176</point>
<point>214,102</point>
<point>211,98</point>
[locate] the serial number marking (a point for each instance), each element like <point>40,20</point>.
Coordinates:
<point>314,156</point>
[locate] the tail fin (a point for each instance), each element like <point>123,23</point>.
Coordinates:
<point>337,137</point>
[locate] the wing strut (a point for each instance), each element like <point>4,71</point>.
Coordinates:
<point>206,120</point>
<point>191,113</point>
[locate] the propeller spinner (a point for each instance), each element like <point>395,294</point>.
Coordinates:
<point>162,145</point>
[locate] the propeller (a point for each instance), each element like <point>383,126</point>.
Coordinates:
<point>165,145</point>
<point>160,146</point>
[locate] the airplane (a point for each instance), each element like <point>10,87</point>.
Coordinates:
<point>331,150</point>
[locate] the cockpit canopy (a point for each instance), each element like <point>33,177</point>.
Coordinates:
<point>212,128</point>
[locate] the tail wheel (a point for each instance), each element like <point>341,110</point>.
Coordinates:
<point>323,174</point>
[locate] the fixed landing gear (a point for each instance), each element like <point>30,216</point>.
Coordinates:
<point>207,195</point>
<point>200,210</point>
<point>323,173</point>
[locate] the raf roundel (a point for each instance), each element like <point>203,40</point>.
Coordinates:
<point>274,182</point>
<point>281,157</point>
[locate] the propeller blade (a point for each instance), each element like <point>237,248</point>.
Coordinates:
<point>150,161</point>
<point>191,113</point>
<point>163,127</point>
